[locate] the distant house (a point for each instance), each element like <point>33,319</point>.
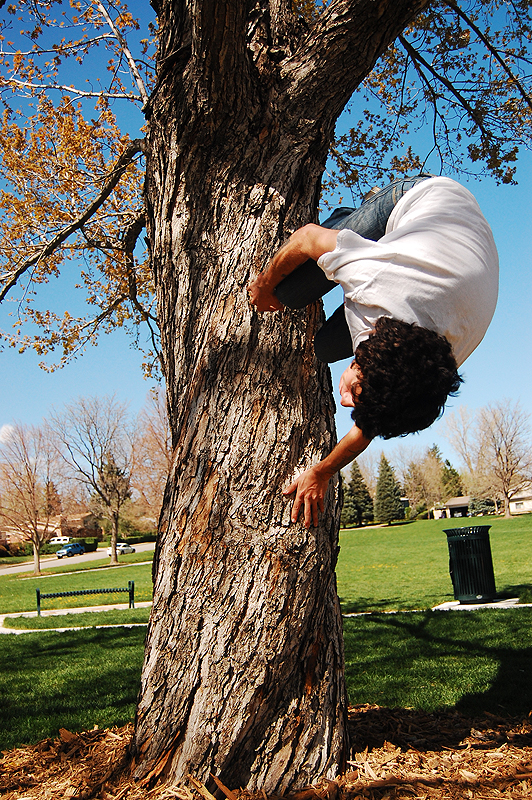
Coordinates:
<point>454,507</point>
<point>81,526</point>
<point>437,513</point>
<point>521,503</point>
<point>12,535</point>
<point>457,507</point>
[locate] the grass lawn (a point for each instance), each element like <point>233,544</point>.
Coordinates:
<point>472,661</point>
<point>407,566</point>
<point>68,680</point>
<point>17,592</point>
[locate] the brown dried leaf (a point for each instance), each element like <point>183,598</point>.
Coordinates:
<point>67,736</point>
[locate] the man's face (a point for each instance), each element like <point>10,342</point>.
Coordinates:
<point>350,385</point>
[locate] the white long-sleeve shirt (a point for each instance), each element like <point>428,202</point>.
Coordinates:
<point>437,266</point>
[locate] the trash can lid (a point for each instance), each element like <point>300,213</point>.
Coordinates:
<point>473,530</point>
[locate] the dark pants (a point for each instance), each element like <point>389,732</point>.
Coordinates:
<point>308,282</point>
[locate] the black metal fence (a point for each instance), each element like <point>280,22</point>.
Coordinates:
<point>130,589</point>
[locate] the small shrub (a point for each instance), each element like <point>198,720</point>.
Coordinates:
<point>48,549</point>
<point>90,545</point>
<point>21,548</point>
<point>142,537</point>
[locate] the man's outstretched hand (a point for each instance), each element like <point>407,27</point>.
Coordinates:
<point>310,241</point>
<point>261,295</point>
<point>310,488</point>
<point>311,485</point>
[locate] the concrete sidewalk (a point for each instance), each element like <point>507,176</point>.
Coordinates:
<point>63,611</point>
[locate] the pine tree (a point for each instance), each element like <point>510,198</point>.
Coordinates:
<point>361,497</point>
<point>357,505</point>
<point>388,505</point>
<point>51,500</point>
<point>348,515</point>
<point>451,481</point>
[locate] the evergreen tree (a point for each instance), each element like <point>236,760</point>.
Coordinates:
<point>478,506</point>
<point>357,505</point>
<point>388,505</point>
<point>451,481</point>
<point>348,515</point>
<point>362,501</point>
<point>51,500</point>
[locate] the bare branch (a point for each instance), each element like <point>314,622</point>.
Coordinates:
<point>136,146</point>
<point>58,51</point>
<point>486,42</point>
<point>69,89</point>
<point>127,52</point>
<point>417,57</point>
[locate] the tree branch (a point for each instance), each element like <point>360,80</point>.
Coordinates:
<point>58,51</point>
<point>127,52</point>
<point>418,58</point>
<point>344,41</point>
<point>136,146</point>
<point>487,44</point>
<point>69,89</point>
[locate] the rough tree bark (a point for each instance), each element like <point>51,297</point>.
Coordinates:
<point>243,675</point>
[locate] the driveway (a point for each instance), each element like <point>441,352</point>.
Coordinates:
<point>49,562</point>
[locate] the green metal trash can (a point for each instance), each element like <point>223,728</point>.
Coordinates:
<point>470,564</point>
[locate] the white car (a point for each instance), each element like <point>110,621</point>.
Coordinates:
<point>59,540</point>
<point>121,549</point>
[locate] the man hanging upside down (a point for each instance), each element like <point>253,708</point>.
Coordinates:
<point>419,270</point>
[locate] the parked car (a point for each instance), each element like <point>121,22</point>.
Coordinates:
<point>59,540</point>
<point>121,549</point>
<point>73,549</point>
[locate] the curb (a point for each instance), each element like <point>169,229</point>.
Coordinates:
<point>57,612</point>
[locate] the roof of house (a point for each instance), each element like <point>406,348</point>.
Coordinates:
<point>454,502</point>
<point>524,494</point>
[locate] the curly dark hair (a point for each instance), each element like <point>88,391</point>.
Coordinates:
<point>407,374</point>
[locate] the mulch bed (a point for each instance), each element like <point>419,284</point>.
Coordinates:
<point>397,753</point>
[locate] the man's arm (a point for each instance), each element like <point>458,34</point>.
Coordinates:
<point>311,241</point>
<point>311,485</point>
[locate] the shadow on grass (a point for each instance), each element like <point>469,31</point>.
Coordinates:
<point>521,590</point>
<point>68,680</point>
<point>473,663</point>
<point>370,604</point>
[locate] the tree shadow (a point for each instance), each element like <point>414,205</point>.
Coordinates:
<point>366,605</point>
<point>521,590</point>
<point>462,642</point>
<point>389,603</point>
<point>372,726</point>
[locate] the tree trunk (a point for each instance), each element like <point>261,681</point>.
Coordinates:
<point>36,559</point>
<point>114,538</point>
<point>507,513</point>
<point>244,661</point>
<point>243,675</point>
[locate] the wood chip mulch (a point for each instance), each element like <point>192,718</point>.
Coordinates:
<point>397,753</point>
